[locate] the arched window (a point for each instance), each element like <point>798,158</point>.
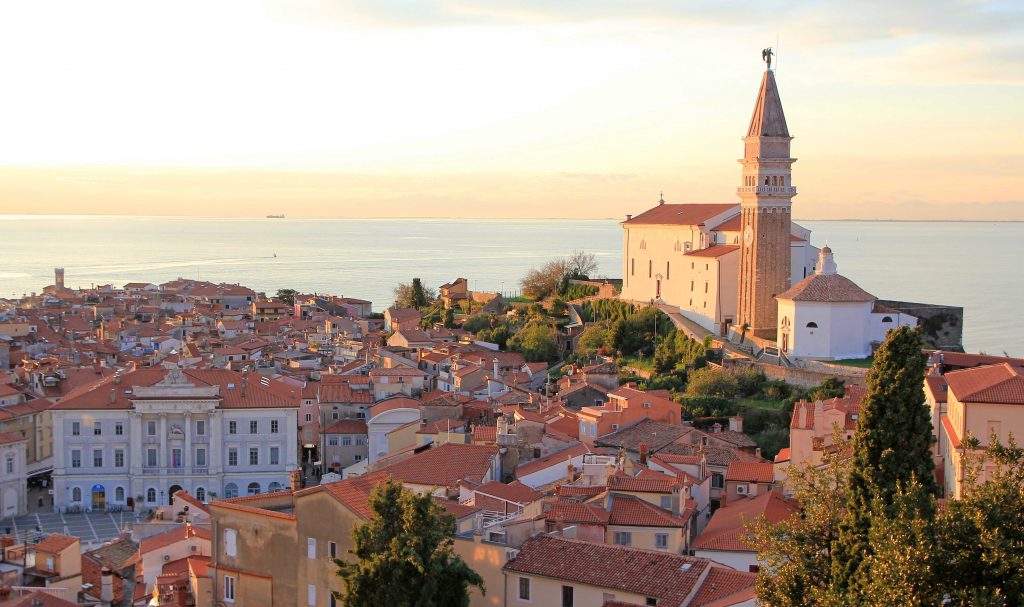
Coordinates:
<point>775,180</point>
<point>151,495</point>
<point>230,490</point>
<point>643,245</point>
<point>812,325</point>
<point>766,180</point>
<point>254,488</point>
<point>119,494</point>
<point>76,494</point>
<point>274,486</point>
<point>201,494</point>
<point>887,319</point>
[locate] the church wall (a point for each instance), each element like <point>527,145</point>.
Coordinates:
<point>802,258</point>
<point>841,332</point>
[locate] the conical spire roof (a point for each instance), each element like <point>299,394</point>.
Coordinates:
<point>768,119</point>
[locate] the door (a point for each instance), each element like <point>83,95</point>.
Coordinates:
<point>99,497</point>
<point>657,288</point>
<point>785,342</point>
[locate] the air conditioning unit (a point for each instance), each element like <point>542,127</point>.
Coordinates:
<point>741,489</point>
<point>511,553</point>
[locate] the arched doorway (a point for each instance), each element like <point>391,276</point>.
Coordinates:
<point>99,497</point>
<point>170,493</point>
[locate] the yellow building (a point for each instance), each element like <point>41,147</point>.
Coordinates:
<point>981,402</point>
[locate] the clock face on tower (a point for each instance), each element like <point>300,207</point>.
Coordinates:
<point>748,235</point>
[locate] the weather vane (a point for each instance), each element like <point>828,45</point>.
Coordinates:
<point>766,56</point>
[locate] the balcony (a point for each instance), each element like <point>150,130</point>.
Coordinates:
<point>780,190</point>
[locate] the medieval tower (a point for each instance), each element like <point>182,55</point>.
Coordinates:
<point>766,194</point>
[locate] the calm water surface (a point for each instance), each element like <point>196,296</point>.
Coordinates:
<point>975,265</point>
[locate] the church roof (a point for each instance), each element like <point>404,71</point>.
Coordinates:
<point>680,214</point>
<point>828,288</point>
<point>768,119</point>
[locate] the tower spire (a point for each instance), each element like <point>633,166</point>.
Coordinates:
<point>768,119</point>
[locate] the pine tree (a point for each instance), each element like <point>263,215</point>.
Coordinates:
<point>404,555</point>
<point>418,296</point>
<point>892,447</point>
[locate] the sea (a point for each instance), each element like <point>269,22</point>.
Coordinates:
<point>976,265</point>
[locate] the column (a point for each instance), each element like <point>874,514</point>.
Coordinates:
<point>187,459</point>
<point>135,461</point>
<point>162,456</point>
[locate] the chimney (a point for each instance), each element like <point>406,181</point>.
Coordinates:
<point>494,363</point>
<point>628,217</point>
<point>715,429</point>
<point>113,396</point>
<point>117,378</point>
<point>676,500</point>
<point>736,423</point>
<point>296,480</point>
<point>107,586</point>
<point>757,452</point>
<point>571,471</point>
<point>643,454</point>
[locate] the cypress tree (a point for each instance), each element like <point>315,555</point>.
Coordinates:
<point>891,449</point>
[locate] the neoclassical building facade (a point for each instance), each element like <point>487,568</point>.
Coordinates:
<point>135,439</point>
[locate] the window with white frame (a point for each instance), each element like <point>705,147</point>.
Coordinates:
<point>309,417</point>
<point>332,441</point>
<point>232,427</point>
<point>97,458</point>
<point>254,427</point>
<point>311,594</point>
<point>332,549</point>
<point>232,456</point>
<point>119,428</point>
<point>275,456</point>
<point>151,458</point>
<point>200,456</point>
<point>76,458</point>
<point>346,441</point>
<point>254,456</point>
<point>151,428</point>
<point>76,428</point>
<point>661,540</point>
<point>229,588</point>
<point>524,588</point>
<point>200,427</point>
<point>274,427</point>
<point>624,538</point>
<point>310,547</point>
<point>97,429</point>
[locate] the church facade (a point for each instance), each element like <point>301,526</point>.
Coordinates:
<point>723,264</point>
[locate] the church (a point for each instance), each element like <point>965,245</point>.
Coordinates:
<point>740,266</point>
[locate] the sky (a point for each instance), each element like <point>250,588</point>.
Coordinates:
<point>481,108</point>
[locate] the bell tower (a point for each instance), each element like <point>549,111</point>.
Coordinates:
<point>766,194</point>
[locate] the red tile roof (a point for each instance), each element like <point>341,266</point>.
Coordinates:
<point>55,543</point>
<point>680,214</point>
<point>485,434</point>
<point>574,513</point>
<point>726,531</point>
<point>751,472</point>
<point>635,512</point>
<point>662,575</point>
<point>723,582</point>
<point>515,491</point>
<point>714,251</point>
<point>826,288</point>
<point>347,426</point>
<point>172,536</point>
<point>648,482</point>
<point>1002,383</point>
<point>445,466</point>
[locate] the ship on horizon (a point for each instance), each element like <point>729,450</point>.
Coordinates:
<point>275,216</point>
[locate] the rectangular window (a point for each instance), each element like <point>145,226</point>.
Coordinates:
<point>623,538</point>
<point>311,594</point>
<point>176,458</point>
<point>76,428</point>
<point>667,269</point>
<point>334,415</point>
<point>650,268</point>
<point>151,428</point>
<point>632,267</point>
<point>254,456</point>
<point>273,426</point>
<point>661,540</point>
<point>275,456</point>
<point>229,588</point>
<point>524,589</point>
<point>118,429</point>
<point>200,427</point>
<point>200,457</point>
<point>97,429</point>
<point>717,480</point>
<point>254,427</point>
<point>230,547</point>
<point>232,427</point>
<point>567,600</point>
<point>666,502</point>
<point>97,458</point>
<point>346,441</point>
<point>359,458</point>
<point>151,458</point>
<point>9,465</point>
<point>309,417</point>
<point>332,549</point>
<point>705,287</point>
<point>232,457</point>
<point>119,458</point>
<point>310,547</point>
<point>76,458</point>
<point>333,441</point>
<point>360,441</point>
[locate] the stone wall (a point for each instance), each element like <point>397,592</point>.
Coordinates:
<point>809,378</point>
<point>943,326</point>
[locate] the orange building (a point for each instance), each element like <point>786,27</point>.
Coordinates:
<point>625,406</point>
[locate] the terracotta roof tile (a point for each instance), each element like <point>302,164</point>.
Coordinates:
<point>753,472</point>
<point>662,575</point>
<point>55,543</point>
<point>714,251</point>
<point>723,582</point>
<point>829,288</point>
<point>680,214</point>
<point>635,512</point>
<point>515,491</point>
<point>726,531</point>
<point>1002,383</point>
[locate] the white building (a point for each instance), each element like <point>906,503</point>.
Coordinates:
<point>12,474</point>
<point>827,316</point>
<point>140,437</point>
